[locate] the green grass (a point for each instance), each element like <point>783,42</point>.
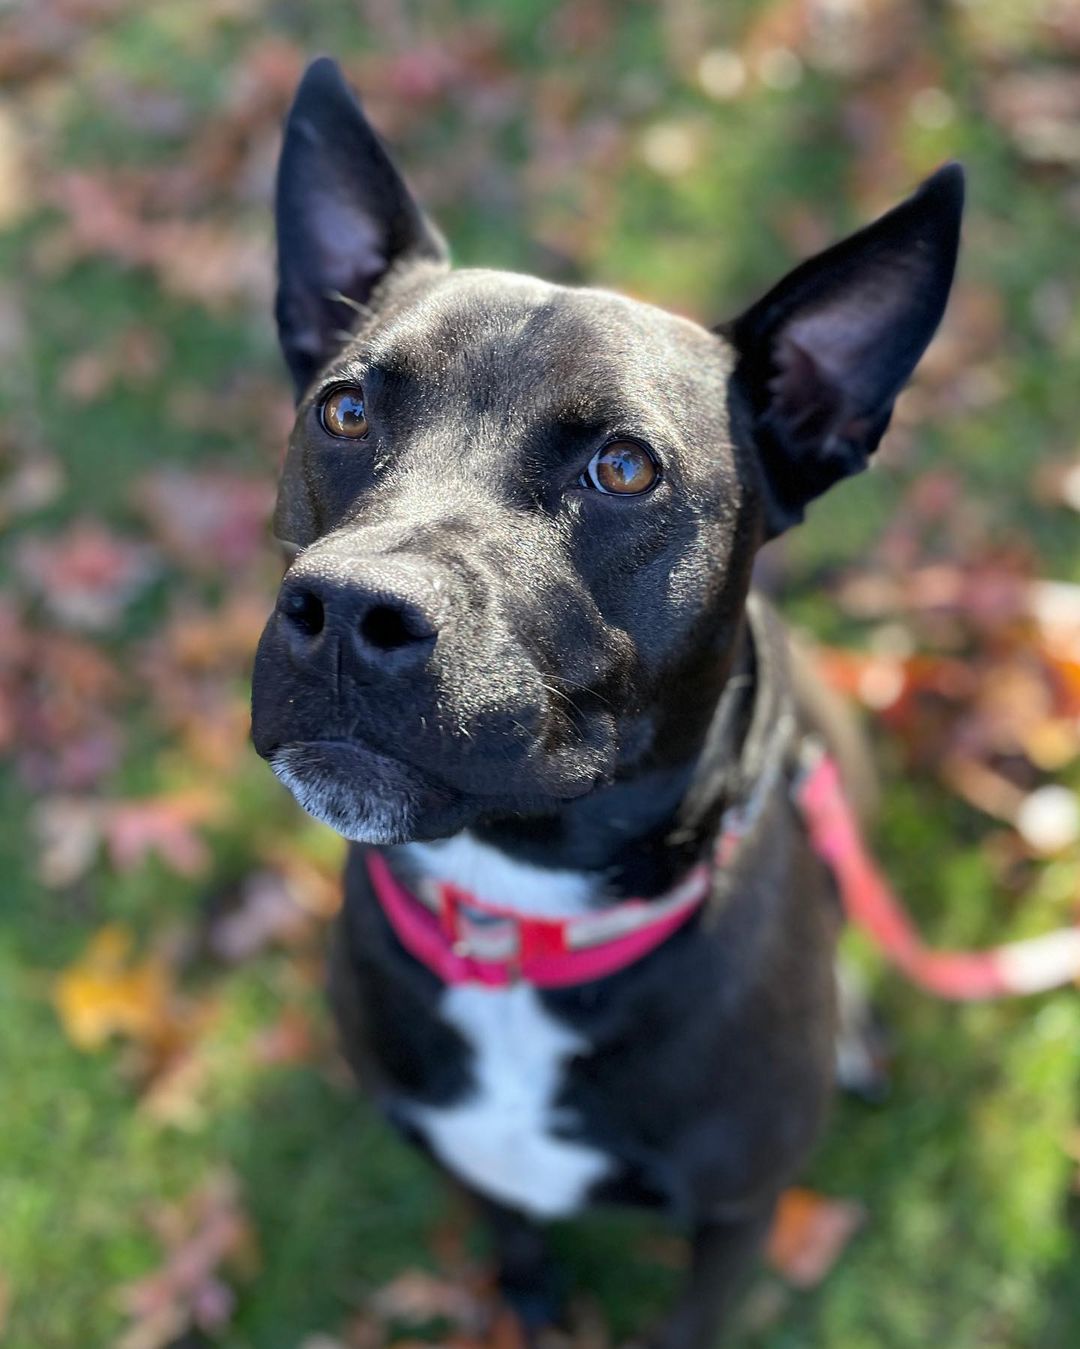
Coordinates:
<point>972,1238</point>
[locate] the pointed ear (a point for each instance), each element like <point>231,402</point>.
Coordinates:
<point>344,218</point>
<point>823,355</point>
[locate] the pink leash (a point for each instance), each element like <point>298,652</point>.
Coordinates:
<point>1031,966</point>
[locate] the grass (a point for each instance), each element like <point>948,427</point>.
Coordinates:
<point>972,1239</point>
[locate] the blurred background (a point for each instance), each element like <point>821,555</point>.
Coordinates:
<point>183,1160</point>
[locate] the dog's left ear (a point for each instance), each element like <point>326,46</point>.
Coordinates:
<point>344,218</point>
<point>823,355</point>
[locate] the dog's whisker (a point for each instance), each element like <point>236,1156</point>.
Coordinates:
<point>558,693</point>
<point>362,309</point>
<point>570,683</point>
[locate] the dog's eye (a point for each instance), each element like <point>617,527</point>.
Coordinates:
<point>622,468</point>
<point>342,412</point>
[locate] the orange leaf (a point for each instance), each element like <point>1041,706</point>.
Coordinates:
<point>809,1232</point>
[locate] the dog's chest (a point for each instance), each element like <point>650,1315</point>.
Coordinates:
<point>507,1135</point>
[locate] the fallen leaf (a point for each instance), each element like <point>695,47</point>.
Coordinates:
<point>211,521</point>
<point>175,1094</point>
<point>291,1039</point>
<point>41,39</point>
<point>809,1234</point>
<point>88,575</point>
<point>857,38</point>
<point>417,1296</point>
<point>204,1236</point>
<point>195,669</point>
<point>58,706</point>
<point>1057,483</point>
<point>114,215</point>
<point>106,993</point>
<point>32,484</point>
<point>164,825</point>
<point>68,833</point>
<point>1040,110</point>
<point>130,358</point>
<point>314,885</point>
<point>267,912</point>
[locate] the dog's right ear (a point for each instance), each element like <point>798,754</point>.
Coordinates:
<point>344,219</point>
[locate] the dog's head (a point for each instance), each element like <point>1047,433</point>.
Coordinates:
<point>524,516</point>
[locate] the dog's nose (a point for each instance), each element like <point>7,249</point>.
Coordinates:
<point>385,628</point>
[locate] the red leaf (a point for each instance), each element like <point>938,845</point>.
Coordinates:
<point>88,575</point>
<point>205,1233</point>
<point>165,825</point>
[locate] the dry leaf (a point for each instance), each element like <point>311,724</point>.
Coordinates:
<point>162,825</point>
<point>1040,109</point>
<point>291,1039</point>
<point>68,833</point>
<point>267,912</point>
<point>130,358</point>
<point>115,215</point>
<point>175,1094</point>
<point>809,1233</point>
<point>87,575</point>
<point>71,830</point>
<point>211,521</point>
<point>204,1235</point>
<point>31,484</point>
<point>58,696</point>
<point>417,1296</point>
<point>106,993</point>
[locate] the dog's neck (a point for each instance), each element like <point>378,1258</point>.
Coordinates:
<point>633,838</point>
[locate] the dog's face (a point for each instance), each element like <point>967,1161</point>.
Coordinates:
<point>525,516</point>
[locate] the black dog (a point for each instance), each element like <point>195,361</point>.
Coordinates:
<point>516,660</point>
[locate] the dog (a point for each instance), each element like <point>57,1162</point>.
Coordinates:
<point>586,950</point>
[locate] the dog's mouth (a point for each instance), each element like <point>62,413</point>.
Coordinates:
<point>371,797</point>
<point>366,796</point>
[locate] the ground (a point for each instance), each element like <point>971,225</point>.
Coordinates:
<point>182,1158</point>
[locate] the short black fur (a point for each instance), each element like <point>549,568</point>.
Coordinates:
<point>576,679</point>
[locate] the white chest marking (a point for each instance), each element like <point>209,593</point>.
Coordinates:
<point>499,1139</point>
<point>492,876</point>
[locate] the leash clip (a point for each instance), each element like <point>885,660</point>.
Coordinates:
<point>809,754</point>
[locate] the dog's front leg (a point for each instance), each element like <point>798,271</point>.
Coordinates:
<point>722,1253</point>
<point>529,1280</point>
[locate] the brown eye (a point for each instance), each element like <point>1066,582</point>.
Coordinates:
<point>623,468</point>
<point>343,413</point>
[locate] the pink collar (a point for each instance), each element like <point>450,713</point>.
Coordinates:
<point>465,940</point>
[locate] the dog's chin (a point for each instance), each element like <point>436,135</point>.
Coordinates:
<point>363,795</point>
<point>368,797</point>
